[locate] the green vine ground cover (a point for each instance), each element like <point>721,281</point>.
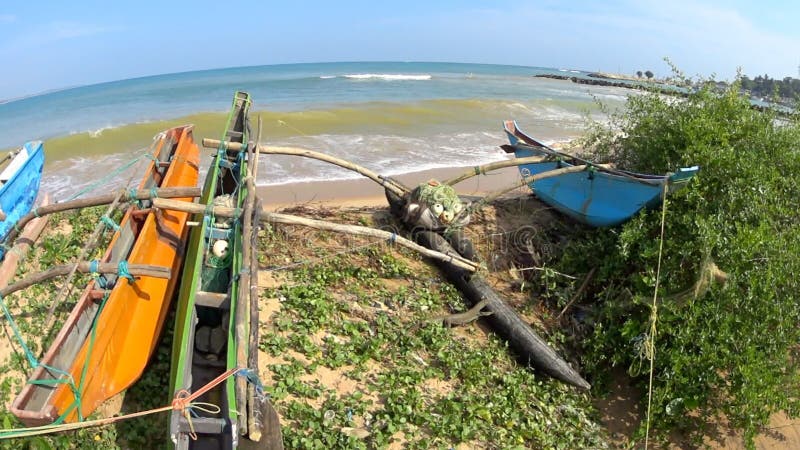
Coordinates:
<point>351,361</point>
<point>349,356</point>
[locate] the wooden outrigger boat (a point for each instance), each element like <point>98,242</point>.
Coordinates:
<point>19,185</point>
<point>598,196</point>
<point>206,342</point>
<point>105,343</point>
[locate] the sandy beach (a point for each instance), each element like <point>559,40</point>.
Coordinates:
<point>365,192</point>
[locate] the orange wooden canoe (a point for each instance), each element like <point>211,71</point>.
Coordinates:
<point>105,343</point>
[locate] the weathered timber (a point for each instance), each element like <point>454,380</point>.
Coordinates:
<point>145,270</point>
<point>140,194</point>
<point>529,346</point>
<point>482,170</point>
<point>66,287</point>
<point>30,234</point>
<point>288,219</point>
<point>294,151</point>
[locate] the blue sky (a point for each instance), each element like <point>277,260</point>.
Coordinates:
<point>50,45</point>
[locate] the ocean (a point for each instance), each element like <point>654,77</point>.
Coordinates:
<point>393,117</point>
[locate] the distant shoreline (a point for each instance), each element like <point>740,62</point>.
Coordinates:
<point>600,79</point>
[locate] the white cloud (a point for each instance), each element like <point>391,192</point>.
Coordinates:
<point>54,32</point>
<point>698,36</point>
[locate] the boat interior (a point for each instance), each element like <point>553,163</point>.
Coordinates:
<point>33,404</point>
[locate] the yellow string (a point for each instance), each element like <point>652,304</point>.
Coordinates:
<point>654,316</point>
<point>286,124</point>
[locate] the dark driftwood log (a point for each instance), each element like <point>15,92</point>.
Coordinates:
<point>530,347</point>
<point>85,267</point>
<point>141,194</point>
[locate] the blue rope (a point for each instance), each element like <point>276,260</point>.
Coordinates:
<point>94,267</point>
<point>122,270</point>
<point>107,221</point>
<point>28,353</point>
<point>109,176</point>
<point>132,197</point>
<point>154,193</point>
<point>253,379</point>
<point>34,363</point>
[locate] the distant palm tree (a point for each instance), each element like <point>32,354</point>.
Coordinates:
<point>648,74</point>
<point>639,73</point>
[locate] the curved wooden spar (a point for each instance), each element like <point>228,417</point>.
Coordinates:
<point>264,216</point>
<point>85,267</point>
<point>541,176</point>
<point>481,170</point>
<point>294,151</point>
<point>140,194</point>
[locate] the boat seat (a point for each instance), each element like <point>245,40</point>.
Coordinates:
<point>202,425</point>
<point>199,360</point>
<point>212,299</point>
<point>220,233</point>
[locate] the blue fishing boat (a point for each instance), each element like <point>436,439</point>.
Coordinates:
<point>19,185</point>
<point>598,196</point>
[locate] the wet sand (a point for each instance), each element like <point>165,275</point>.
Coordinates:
<point>365,192</point>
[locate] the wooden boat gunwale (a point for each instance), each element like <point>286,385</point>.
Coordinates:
<point>19,185</point>
<point>519,138</point>
<point>174,161</point>
<point>225,174</point>
<point>587,196</point>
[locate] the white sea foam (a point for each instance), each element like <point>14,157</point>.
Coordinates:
<point>385,154</point>
<point>67,177</point>
<point>327,77</point>
<point>388,76</point>
<point>98,132</point>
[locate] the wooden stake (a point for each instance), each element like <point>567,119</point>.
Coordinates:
<point>242,312</point>
<point>254,420</point>
<point>141,194</point>
<point>197,208</point>
<point>481,170</point>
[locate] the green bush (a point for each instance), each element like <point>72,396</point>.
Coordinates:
<point>723,348</point>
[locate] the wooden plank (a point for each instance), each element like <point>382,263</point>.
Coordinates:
<point>17,253</point>
<point>212,299</point>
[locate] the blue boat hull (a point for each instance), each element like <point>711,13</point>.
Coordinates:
<point>21,187</point>
<point>594,197</point>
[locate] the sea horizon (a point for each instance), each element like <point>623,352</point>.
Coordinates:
<point>395,117</point>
